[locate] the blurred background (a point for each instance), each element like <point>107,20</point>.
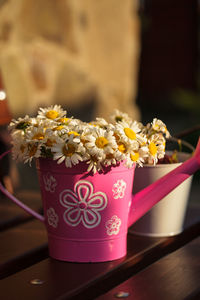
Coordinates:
<point>139,56</point>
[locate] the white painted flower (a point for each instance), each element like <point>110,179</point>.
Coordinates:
<point>52,217</point>
<point>49,182</point>
<point>53,112</point>
<point>119,189</point>
<point>83,205</point>
<point>113,225</point>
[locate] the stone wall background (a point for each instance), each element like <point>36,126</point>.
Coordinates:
<point>70,52</point>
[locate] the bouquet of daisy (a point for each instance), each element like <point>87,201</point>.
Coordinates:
<point>52,134</point>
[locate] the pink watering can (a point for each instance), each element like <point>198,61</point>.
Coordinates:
<point>87,216</point>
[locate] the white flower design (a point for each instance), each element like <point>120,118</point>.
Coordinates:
<point>49,183</point>
<point>83,205</point>
<point>52,217</point>
<point>113,225</point>
<point>119,189</point>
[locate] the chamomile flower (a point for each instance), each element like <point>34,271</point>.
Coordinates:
<point>156,148</point>
<point>157,126</point>
<point>94,164</point>
<point>70,122</point>
<point>32,150</point>
<point>128,133</point>
<point>19,146</point>
<point>60,130</point>
<point>100,142</point>
<point>100,122</point>
<point>137,157</point>
<point>54,112</point>
<point>36,134</point>
<point>68,152</point>
<point>119,116</point>
<point>20,123</point>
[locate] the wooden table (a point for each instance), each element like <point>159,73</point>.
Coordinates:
<point>154,268</point>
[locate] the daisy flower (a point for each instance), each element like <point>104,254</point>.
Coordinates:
<point>19,146</point>
<point>68,152</point>
<point>156,146</point>
<point>94,164</point>
<point>20,123</point>
<point>156,126</point>
<point>70,122</point>
<point>36,134</point>
<point>119,116</point>
<point>159,126</point>
<point>128,133</point>
<point>137,157</point>
<point>100,122</point>
<point>52,113</point>
<point>100,142</point>
<point>32,150</point>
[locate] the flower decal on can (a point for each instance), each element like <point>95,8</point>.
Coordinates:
<point>113,225</point>
<point>119,189</point>
<point>52,217</point>
<point>49,183</point>
<point>83,205</point>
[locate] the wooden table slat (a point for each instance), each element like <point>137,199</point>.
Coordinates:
<point>78,281</point>
<point>22,246</point>
<point>12,215</point>
<point>174,277</point>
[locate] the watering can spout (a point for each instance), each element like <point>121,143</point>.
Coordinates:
<point>144,200</point>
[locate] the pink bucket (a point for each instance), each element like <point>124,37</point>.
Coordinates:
<point>86,215</point>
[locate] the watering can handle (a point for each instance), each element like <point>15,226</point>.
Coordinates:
<point>18,202</point>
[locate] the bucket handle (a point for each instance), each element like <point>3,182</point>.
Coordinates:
<point>18,202</point>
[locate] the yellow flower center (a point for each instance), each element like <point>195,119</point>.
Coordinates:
<point>130,133</point>
<point>135,156</point>
<point>122,147</point>
<point>101,142</point>
<point>92,124</point>
<point>63,120</point>
<point>152,148</point>
<point>69,151</point>
<point>156,126</point>
<point>74,133</point>
<point>58,127</point>
<point>32,150</point>
<point>52,114</point>
<point>38,136</point>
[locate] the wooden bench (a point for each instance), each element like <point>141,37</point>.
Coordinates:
<point>154,268</point>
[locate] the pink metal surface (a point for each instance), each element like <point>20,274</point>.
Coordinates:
<point>86,215</point>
